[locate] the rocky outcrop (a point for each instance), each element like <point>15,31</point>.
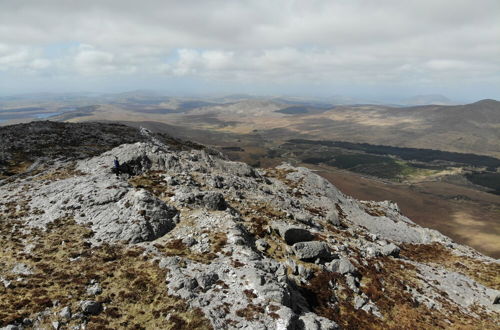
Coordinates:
<point>308,251</point>
<point>279,248</point>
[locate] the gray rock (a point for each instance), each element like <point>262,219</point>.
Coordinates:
<point>5,282</point>
<point>90,307</point>
<point>255,277</point>
<point>185,197</point>
<point>56,325</point>
<point>311,250</point>
<point>22,269</point>
<point>119,211</point>
<point>167,262</point>
<point>214,201</point>
<point>372,308</point>
<point>65,313</point>
<point>359,302</point>
<point>190,284</point>
<point>11,327</point>
<point>352,282</point>
<point>311,321</point>
<point>292,265</point>
<point>288,320</point>
<point>342,266</point>
<point>78,316</point>
<point>303,272</point>
<point>217,182</point>
<point>372,251</point>
<point>189,241</point>
<point>207,280</point>
<point>390,250</point>
<point>94,289</point>
<point>333,218</point>
<point>302,217</point>
<point>292,234</point>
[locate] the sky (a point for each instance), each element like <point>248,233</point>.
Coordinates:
<point>360,48</point>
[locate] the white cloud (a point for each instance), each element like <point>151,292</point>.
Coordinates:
<point>91,61</point>
<point>22,59</point>
<point>40,64</point>
<point>342,42</point>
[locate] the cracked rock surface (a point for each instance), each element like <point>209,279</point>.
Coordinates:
<point>237,247</point>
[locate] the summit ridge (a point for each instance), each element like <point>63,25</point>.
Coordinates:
<point>219,244</point>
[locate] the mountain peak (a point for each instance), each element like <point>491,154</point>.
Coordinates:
<point>196,241</point>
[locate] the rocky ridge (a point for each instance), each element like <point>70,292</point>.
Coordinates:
<point>219,244</point>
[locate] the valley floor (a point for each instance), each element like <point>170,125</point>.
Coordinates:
<point>468,216</point>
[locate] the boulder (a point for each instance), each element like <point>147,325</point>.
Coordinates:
<point>311,250</point>
<point>390,250</point>
<point>292,234</point>
<point>372,308</point>
<point>287,319</point>
<point>359,302</point>
<point>214,201</point>
<point>90,307</point>
<point>342,266</point>
<point>65,313</point>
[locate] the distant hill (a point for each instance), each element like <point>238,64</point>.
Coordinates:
<point>428,99</point>
<point>470,128</point>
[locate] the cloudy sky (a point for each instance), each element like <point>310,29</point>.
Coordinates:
<point>384,48</point>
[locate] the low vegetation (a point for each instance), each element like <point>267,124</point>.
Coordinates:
<point>423,155</point>
<point>487,274</point>
<point>63,265</point>
<point>489,180</point>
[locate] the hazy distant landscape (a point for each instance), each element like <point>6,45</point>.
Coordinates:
<point>415,152</point>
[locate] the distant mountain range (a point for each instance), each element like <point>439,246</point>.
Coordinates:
<point>436,99</point>
<point>470,128</point>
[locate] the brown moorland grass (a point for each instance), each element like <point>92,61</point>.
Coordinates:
<point>487,274</point>
<point>329,297</point>
<point>64,264</point>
